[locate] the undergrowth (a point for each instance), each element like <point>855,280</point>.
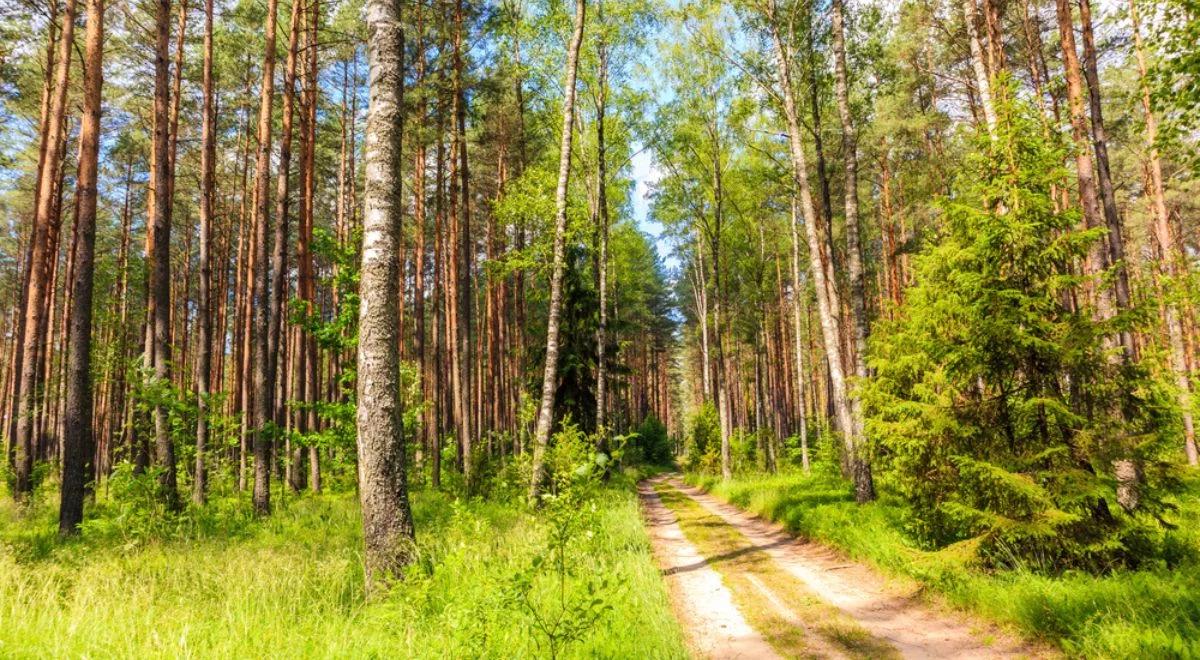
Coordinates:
<point>216,582</point>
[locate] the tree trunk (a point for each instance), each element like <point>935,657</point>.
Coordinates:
<point>306,266</point>
<point>864,483</point>
<point>159,284</point>
<point>383,491</point>
<point>1112,218</point>
<point>1097,260</point>
<point>983,84</point>
<point>464,353</point>
<point>828,304</point>
<point>263,385</point>
<point>40,255</point>
<point>1167,249</point>
<point>208,146</point>
<point>277,345</point>
<point>602,261</point>
<point>77,421</point>
<point>545,418</point>
<point>797,295</point>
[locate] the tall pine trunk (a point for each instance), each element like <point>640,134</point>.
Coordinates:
<point>602,260</point>
<point>263,378</point>
<point>820,258</point>
<point>77,422</point>
<point>798,294</point>
<point>1112,218</point>
<point>208,147</point>
<point>1167,249</point>
<point>40,256</point>
<point>277,353</point>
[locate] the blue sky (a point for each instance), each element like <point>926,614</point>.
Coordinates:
<point>645,174</point>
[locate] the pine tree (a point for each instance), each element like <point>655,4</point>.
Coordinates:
<point>989,393</point>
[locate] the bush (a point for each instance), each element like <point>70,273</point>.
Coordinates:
<point>652,444</point>
<point>702,448</point>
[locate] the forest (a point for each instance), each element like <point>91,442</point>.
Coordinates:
<point>599,328</point>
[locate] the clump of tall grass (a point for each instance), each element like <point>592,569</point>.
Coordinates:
<point>216,582</point>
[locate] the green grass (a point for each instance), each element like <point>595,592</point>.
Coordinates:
<point>219,584</point>
<point>1150,613</point>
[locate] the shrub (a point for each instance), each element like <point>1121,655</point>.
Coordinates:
<point>702,448</point>
<point>651,443</point>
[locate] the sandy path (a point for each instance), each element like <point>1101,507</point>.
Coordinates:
<point>914,628</point>
<point>702,603</point>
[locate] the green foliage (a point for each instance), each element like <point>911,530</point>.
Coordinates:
<point>996,405</point>
<point>134,513</point>
<point>337,336</point>
<point>1176,71</point>
<point>650,444</point>
<point>291,585</point>
<point>578,600</point>
<point>702,447</point>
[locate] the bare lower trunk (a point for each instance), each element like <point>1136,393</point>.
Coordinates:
<point>828,304</point>
<point>208,146</point>
<point>41,255</point>
<point>861,467</point>
<point>464,352</point>
<point>160,259</point>
<point>797,296</point>
<point>263,384</point>
<point>545,418</point>
<point>382,486</point>
<point>602,260</point>
<point>77,421</point>
<point>276,345</point>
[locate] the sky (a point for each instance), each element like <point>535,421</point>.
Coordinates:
<point>645,174</point>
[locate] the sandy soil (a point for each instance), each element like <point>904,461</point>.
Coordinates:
<point>714,626</point>
<point>913,627</point>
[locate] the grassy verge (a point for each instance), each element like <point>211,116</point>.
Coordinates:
<point>290,586</point>
<point>793,620</point>
<point>1153,612</point>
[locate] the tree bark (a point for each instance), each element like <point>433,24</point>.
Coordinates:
<point>828,304</point>
<point>306,285</point>
<point>1112,218</point>
<point>854,265</point>
<point>277,345</point>
<point>208,147</point>
<point>466,429</point>
<point>602,261</point>
<point>797,296</point>
<point>1167,249</point>
<point>383,491</point>
<point>77,421</point>
<point>545,418</point>
<point>263,385</point>
<point>983,84</point>
<point>1097,259</point>
<point>40,255</point>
